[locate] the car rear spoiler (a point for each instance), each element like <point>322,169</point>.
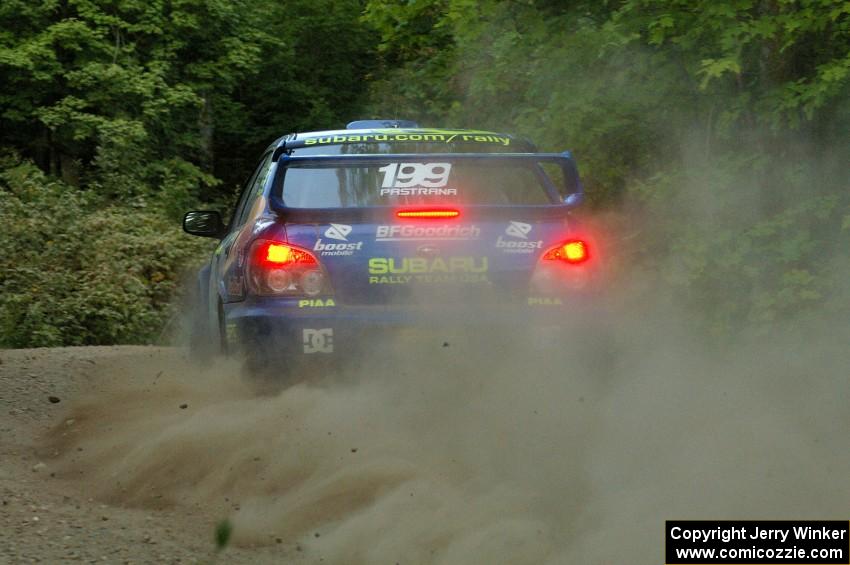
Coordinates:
<point>564,160</point>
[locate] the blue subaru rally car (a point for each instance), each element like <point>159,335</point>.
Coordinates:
<point>339,235</point>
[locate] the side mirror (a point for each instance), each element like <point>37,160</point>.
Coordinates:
<point>203,223</point>
<point>574,199</point>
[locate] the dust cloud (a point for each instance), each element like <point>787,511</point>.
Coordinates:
<point>510,445</point>
<point>498,448</point>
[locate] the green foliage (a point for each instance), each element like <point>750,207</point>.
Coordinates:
<point>721,124</point>
<point>104,91</point>
<point>776,62</point>
<point>417,52</point>
<point>75,270</point>
<point>223,531</point>
<point>744,257</point>
<point>145,109</point>
<point>311,75</point>
<point>89,84</point>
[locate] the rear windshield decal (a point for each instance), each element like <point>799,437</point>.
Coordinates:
<point>444,136</point>
<point>416,179</point>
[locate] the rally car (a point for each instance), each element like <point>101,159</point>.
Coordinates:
<point>339,235</point>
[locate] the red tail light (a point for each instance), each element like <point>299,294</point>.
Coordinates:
<point>281,269</point>
<point>431,213</point>
<point>574,251</point>
<point>278,254</point>
<point>562,268</point>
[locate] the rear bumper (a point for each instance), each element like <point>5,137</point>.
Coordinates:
<point>301,328</point>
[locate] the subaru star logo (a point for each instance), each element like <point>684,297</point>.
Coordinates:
<point>340,232</point>
<point>518,229</point>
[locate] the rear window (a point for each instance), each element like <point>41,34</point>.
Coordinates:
<point>421,183</point>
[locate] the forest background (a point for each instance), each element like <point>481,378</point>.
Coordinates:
<point>712,136</point>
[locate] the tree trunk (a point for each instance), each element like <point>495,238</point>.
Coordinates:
<point>206,129</point>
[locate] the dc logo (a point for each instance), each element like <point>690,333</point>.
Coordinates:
<point>518,229</point>
<point>338,231</point>
<point>318,341</point>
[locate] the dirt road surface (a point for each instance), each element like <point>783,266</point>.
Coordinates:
<point>443,453</point>
<point>54,508</point>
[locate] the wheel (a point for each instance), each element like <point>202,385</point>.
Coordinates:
<point>265,366</point>
<point>267,374</point>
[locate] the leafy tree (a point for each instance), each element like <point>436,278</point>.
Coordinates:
<point>416,79</point>
<point>131,94</point>
<point>722,124</point>
<point>145,109</point>
<point>312,75</point>
<point>117,92</point>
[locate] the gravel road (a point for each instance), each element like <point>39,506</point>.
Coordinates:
<point>51,511</point>
<point>444,453</point>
